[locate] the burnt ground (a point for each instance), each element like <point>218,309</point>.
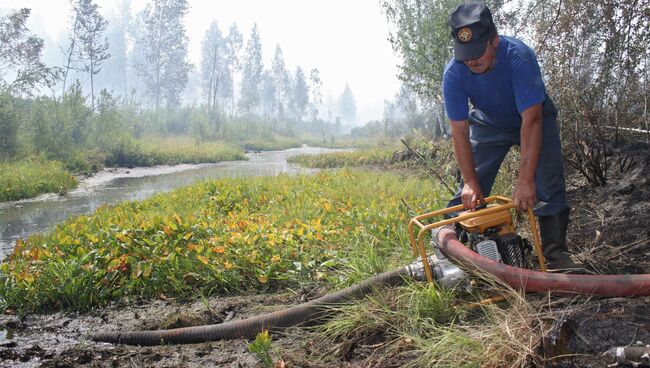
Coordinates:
<point>609,233</point>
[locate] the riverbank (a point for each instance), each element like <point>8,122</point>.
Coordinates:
<point>34,176</point>
<point>31,177</point>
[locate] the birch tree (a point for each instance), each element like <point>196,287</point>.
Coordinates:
<point>282,80</point>
<point>252,69</point>
<point>21,70</point>
<point>316,97</point>
<point>162,45</point>
<point>214,65</point>
<point>115,71</point>
<point>93,45</point>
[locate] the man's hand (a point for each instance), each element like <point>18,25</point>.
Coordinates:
<point>524,194</point>
<point>470,194</point>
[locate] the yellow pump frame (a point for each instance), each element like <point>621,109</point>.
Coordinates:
<point>507,204</point>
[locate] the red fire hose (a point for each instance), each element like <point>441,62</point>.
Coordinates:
<point>535,281</point>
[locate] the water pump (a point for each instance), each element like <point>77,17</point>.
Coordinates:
<point>489,231</point>
<point>493,236</point>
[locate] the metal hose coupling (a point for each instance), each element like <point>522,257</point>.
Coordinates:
<point>445,273</point>
<point>637,355</point>
<point>435,242</point>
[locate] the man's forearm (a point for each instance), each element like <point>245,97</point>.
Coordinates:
<point>530,142</point>
<point>463,151</point>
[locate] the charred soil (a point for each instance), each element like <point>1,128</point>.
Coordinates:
<point>610,234</point>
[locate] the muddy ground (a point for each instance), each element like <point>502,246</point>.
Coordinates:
<point>609,233</point>
<point>61,339</point>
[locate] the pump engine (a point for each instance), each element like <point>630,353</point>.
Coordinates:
<point>493,236</point>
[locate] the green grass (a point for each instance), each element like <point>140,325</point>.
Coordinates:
<point>172,151</point>
<point>215,237</point>
<point>272,143</point>
<point>31,177</point>
<point>366,157</point>
<point>391,311</point>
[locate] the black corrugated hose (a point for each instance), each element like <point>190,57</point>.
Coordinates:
<point>250,327</point>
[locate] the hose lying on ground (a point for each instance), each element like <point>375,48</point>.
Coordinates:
<point>250,327</point>
<point>636,356</point>
<point>535,281</point>
<point>445,273</point>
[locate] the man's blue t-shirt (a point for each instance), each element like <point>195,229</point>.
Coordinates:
<point>512,85</point>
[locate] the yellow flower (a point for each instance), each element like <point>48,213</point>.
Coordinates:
<point>275,259</point>
<point>263,279</point>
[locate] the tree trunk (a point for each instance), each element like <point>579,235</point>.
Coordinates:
<point>210,87</point>
<point>92,85</point>
<point>69,61</point>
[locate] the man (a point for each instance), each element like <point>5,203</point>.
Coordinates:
<point>501,78</point>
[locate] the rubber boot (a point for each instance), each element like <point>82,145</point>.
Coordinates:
<point>553,233</point>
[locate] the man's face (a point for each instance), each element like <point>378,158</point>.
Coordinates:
<point>484,63</point>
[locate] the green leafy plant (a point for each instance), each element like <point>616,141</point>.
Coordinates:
<point>262,348</point>
<point>213,237</point>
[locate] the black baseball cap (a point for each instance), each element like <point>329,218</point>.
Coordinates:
<point>471,27</point>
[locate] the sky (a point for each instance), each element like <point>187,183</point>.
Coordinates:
<point>346,40</point>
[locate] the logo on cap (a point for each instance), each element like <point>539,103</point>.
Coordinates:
<point>464,34</point>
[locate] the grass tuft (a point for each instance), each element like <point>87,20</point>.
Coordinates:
<point>430,327</point>
<point>31,177</point>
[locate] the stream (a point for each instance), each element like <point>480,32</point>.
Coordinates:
<point>19,219</point>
